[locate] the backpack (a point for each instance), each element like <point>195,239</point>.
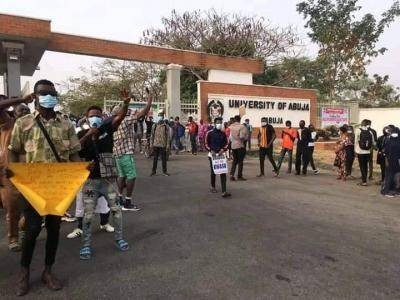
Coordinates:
<point>365,141</point>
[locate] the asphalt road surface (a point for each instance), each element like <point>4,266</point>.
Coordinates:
<point>287,238</point>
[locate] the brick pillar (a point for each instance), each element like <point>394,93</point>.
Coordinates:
<point>173,105</point>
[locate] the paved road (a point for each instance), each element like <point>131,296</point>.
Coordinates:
<point>287,238</point>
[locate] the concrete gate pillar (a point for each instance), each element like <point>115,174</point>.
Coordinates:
<point>13,74</point>
<point>173,105</point>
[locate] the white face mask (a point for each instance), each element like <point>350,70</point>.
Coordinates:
<point>218,126</point>
<point>263,124</point>
<point>368,126</point>
<point>394,135</point>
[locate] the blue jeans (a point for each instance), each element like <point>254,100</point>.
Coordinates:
<point>92,191</point>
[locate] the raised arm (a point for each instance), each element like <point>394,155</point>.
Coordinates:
<point>145,111</point>
<point>123,111</point>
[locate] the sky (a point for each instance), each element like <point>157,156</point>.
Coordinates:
<point>125,20</point>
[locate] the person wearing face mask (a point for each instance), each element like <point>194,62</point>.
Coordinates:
<point>288,136</point>
<point>97,147</point>
<point>302,155</point>
<point>266,137</point>
<point>9,195</point>
<point>159,142</point>
<point>371,158</point>
<point>380,145</point>
<point>349,149</point>
<point>392,155</point>
<point>216,143</point>
<point>29,145</point>
<point>364,141</point>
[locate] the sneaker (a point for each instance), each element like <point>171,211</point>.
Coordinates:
<point>153,173</point>
<point>241,179</point>
<point>260,175</point>
<point>233,178</point>
<point>275,173</point>
<point>213,190</point>
<point>77,232</point>
<point>107,228</point>
<point>68,219</point>
<point>226,195</point>
<point>316,172</point>
<point>130,207</point>
<point>389,195</point>
<point>166,174</point>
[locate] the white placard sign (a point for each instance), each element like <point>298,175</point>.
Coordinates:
<point>336,116</point>
<point>277,110</point>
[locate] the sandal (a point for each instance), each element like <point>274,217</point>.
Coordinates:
<point>85,253</point>
<point>122,245</point>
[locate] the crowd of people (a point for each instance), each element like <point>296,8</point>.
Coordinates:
<point>108,143</point>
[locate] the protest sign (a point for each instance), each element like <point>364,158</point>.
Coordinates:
<point>49,187</point>
<point>219,164</point>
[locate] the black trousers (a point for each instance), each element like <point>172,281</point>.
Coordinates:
<point>363,160</point>
<point>238,158</point>
<point>389,184</point>
<point>371,165</point>
<point>302,157</point>
<point>350,155</point>
<point>282,156</point>
<point>193,142</point>
<point>157,151</point>
<point>269,152</point>
<point>311,156</point>
<point>213,178</point>
<point>383,169</point>
<point>33,227</point>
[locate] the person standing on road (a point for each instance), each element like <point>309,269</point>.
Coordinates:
<point>193,132</point>
<point>302,155</point>
<point>392,154</point>
<point>179,135</point>
<point>249,127</point>
<point>340,151</point>
<point>216,143</point>
<point>97,147</point>
<point>239,135</point>
<point>364,141</point>
<point>289,135</point>
<point>381,156</point>
<point>266,138</point>
<point>9,195</point>
<point>124,149</point>
<point>28,144</point>
<point>371,158</point>
<point>350,155</point>
<point>311,146</point>
<point>159,142</point>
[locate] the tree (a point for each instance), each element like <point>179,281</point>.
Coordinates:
<point>301,72</point>
<point>105,81</point>
<point>346,44</point>
<point>222,34</point>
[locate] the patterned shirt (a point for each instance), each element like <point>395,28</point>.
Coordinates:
<point>27,139</point>
<point>124,138</point>
<point>239,134</point>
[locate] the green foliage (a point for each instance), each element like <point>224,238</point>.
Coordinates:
<point>346,44</point>
<point>106,80</point>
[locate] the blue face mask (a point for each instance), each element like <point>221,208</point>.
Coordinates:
<point>95,121</point>
<point>48,101</point>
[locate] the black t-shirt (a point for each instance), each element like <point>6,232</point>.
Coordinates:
<point>91,149</point>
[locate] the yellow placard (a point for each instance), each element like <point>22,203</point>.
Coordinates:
<point>49,187</point>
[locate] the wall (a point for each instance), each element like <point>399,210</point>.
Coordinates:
<point>230,77</point>
<point>289,94</point>
<point>380,117</point>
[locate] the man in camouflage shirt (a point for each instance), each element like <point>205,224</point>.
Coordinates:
<point>29,145</point>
